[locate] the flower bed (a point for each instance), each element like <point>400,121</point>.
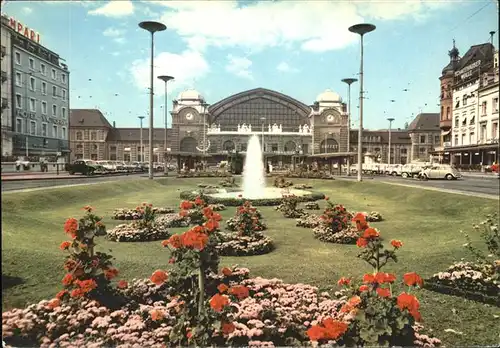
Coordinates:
<point>136,214</point>
<point>346,236</point>
<point>289,208</point>
<point>310,175</point>
<point>312,206</point>
<point>217,207</point>
<point>309,221</point>
<point>467,279</point>
<point>302,187</point>
<point>134,232</point>
<point>207,186</point>
<point>478,280</point>
<point>234,244</point>
<point>192,306</point>
<point>233,202</point>
<point>335,225</point>
<point>172,221</point>
<point>204,175</point>
<point>281,182</point>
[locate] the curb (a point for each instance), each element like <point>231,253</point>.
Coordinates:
<point>66,177</point>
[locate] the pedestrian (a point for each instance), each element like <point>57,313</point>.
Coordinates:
<point>18,165</point>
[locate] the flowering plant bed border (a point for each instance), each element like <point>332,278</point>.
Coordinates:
<point>234,202</point>
<point>432,285</point>
<point>204,175</point>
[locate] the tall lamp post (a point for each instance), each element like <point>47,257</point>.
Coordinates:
<point>204,106</point>
<point>152,27</point>
<point>349,82</point>
<point>165,78</point>
<point>390,119</point>
<point>142,146</point>
<point>361,29</point>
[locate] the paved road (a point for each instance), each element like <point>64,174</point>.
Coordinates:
<point>481,185</point>
<point>31,184</point>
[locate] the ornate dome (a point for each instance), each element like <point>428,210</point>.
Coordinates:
<point>190,94</point>
<point>328,96</point>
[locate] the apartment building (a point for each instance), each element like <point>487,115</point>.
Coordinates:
<point>6,87</point>
<point>467,142</point>
<point>40,96</point>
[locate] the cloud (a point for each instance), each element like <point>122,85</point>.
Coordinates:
<point>185,67</point>
<point>114,8</point>
<point>239,66</point>
<point>112,32</point>
<point>316,26</point>
<point>120,40</point>
<point>285,67</point>
<point>27,10</point>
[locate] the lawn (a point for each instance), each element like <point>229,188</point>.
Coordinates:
<point>427,222</point>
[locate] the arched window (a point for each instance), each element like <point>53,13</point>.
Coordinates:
<point>329,146</point>
<point>442,112</point>
<point>448,116</point>
<point>290,146</point>
<point>188,144</point>
<point>228,146</point>
<point>79,136</point>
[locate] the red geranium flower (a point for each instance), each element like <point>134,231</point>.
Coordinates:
<point>239,291</point>
<point>383,292</point>
<point>413,279</point>
<point>316,333</point>
<point>396,243</point>
<point>344,281</point>
<point>68,279</point>
<point>361,242</point>
<point>218,302</point>
<point>175,241</point>
<point>370,232</point>
<point>159,277</point>
<point>228,328</point>
<point>186,205</point>
<point>222,288</point>
<point>65,245</point>
<point>363,288</point>
<point>156,314</point>
<point>226,271</point>
<point>71,226</point>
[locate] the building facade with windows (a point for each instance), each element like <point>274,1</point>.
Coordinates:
<point>6,87</point>
<point>288,128</point>
<point>473,89</point>
<point>40,97</point>
<point>425,135</point>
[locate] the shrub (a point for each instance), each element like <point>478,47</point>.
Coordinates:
<point>246,220</point>
<point>234,244</point>
<point>88,273</point>
<point>288,207</point>
<point>309,221</point>
<point>312,206</point>
<point>281,182</point>
<point>335,225</point>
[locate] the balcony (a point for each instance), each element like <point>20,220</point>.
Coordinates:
<point>445,124</point>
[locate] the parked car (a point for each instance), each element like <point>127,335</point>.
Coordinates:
<point>440,171</point>
<point>411,170</point>
<point>394,169</point>
<point>108,165</point>
<point>85,167</point>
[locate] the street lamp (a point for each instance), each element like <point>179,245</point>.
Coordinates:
<point>142,147</point>
<point>361,29</point>
<point>204,109</point>
<point>390,119</point>
<point>349,82</point>
<point>152,27</point>
<point>165,78</point>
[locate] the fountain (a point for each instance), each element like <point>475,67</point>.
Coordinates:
<point>254,181</point>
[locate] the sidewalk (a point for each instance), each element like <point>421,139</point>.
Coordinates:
<point>478,175</point>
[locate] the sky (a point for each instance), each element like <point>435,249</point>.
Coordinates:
<point>220,48</point>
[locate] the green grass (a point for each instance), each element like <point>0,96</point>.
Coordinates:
<point>427,222</point>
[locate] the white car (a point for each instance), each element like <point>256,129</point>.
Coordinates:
<point>411,170</point>
<point>108,165</point>
<point>440,171</point>
<point>394,169</point>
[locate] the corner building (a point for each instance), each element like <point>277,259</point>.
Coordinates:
<point>39,96</point>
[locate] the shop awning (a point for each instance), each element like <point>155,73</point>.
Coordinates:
<point>446,133</point>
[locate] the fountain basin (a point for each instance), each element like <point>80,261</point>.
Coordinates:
<point>268,197</point>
